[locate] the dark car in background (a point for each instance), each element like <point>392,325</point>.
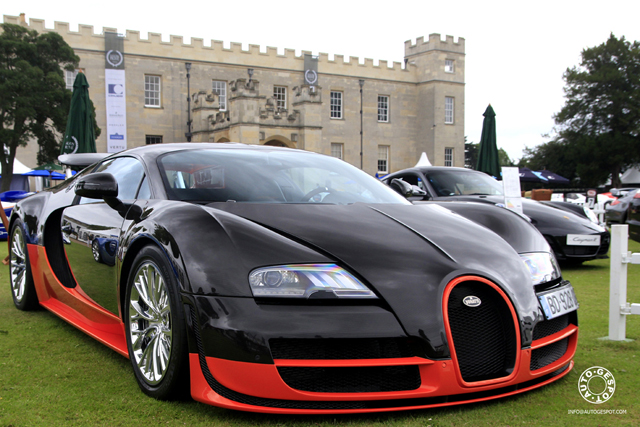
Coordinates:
<point>573,237</point>
<point>276,280</point>
<point>633,217</point>
<point>617,211</point>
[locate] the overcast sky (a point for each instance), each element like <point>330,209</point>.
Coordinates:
<point>516,52</point>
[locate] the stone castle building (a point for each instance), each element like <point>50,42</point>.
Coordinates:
<point>262,97</point>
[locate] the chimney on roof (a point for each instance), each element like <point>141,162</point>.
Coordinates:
<point>23,20</point>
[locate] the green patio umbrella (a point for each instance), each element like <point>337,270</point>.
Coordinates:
<point>488,156</point>
<point>49,167</point>
<point>80,135</point>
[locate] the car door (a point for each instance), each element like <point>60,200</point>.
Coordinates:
<point>92,232</point>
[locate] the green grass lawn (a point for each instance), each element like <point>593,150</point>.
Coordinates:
<point>52,374</point>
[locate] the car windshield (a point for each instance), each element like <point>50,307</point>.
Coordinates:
<point>268,176</point>
<point>456,182</point>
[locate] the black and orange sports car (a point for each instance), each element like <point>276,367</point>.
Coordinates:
<point>276,280</point>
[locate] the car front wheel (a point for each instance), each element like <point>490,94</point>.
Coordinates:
<point>155,327</point>
<point>22,287</point>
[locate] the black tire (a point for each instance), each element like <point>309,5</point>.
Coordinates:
<point>23,290</point>
<point>95,250</point>
<point>166,333</point>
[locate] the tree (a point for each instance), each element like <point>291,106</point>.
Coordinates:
<point>555,156</point>
<point>471,156</point>
<point>599,125</point>
<point>34,101</point>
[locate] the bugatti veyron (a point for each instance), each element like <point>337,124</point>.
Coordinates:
<point>276,280</point>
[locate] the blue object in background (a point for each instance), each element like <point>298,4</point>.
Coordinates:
<point>12,197</point>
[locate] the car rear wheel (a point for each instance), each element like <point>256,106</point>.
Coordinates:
<point>155,327</point>
<point>95,250</point>
<point>22,287</point>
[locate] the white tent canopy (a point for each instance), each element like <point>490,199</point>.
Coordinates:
<point>630,176</point>
<point>19,168</point>
<point>424,160</point>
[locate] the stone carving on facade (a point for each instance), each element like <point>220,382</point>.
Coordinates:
<point>307,93</point>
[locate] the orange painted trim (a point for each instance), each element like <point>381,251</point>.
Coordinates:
<point>201,392</point>
<point>558,336</point>
<point>445,314</point>
<point>71,305</point>
<point>336,363</point>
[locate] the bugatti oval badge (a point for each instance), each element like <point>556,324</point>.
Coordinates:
<point>471,301</point>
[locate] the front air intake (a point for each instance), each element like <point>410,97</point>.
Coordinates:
<point>484,334</point>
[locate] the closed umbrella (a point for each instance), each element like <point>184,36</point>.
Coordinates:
<point>488,156</point>
<point>80,135</point>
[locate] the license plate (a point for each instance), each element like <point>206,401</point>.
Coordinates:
<point>583,240</point>
<point>558,302</point>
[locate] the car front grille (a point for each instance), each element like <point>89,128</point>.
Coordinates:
<point>549,327</point>
<point>581,250</point>
<point>484,337</point>
<point>339,349</point>
<point>544,356</point>
<point>351,379</point>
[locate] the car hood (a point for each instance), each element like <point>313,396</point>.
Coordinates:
<point>552,220</point>
<point>406,253</point>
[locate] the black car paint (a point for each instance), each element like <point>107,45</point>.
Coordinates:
<point>555,220</point>
<point>213,248</point>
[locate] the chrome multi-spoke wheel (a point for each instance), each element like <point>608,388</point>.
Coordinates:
<point>95,249</point>
<point>22,288</point>
<point>155,326</point>
<point>18,265</point>
<point>150,323</point>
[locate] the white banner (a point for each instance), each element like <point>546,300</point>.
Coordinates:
<point>116,110</point>
<point>512,194</point>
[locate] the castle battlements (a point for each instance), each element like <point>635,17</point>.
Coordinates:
<point>176,49</point>
<point>435,42</point>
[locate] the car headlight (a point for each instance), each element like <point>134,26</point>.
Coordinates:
<point>542,266</point>
<point>307,281</point>
<point>591,215</point>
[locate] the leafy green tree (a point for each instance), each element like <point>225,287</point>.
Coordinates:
<point>34,101</point>
<point>556,156</point>
<point>599,125</point>
<point>470,154</point>
<point>471,151</point>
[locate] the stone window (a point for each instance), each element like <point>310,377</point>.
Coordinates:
<point>280,95</point>
<point>151,91</point>
<point>448,110</point>
<point>383,159</point>
<point>337,150</point>
<point>153,139</point>
<point>336,105</point>
<point>448,156</point>
<point>448,66</point>
<point>70,77</point>
<point>383,108</point>
<point>220,88</point>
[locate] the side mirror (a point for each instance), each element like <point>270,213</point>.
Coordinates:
<point>103,185</point>
<point>97,186</point>
<point>417,191</point>
<point>401,187</point>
